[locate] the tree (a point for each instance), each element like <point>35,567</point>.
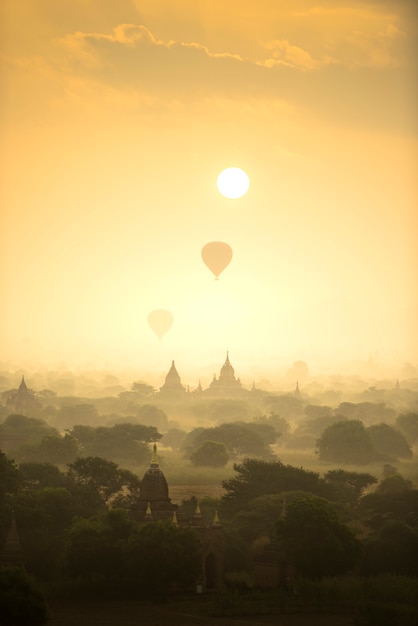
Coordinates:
<point>97,546</point>
<point>151,415</point>
<point>408,425</point>
<point>18,430</point>
<point>314,539</point>
<point>21,602</point>
<point>394,484</point>
<point>210,454</point>
<point>42,516</point>
<point>127,442</point>
<point>280,424</point>
<point>174,438</point>
<point>286,406</point>
<point>138,391</point>
<point>51,449</point>
<point>315,411</point>
<point>258,518</point>
<point>377,508</point>
<point>256,478</point>
<point>346,442</point>
<point>308,430</point>
<point>239,438</point>
<point>160,555</point>
<point>102,480</point>
<point>267,432</point>
<point>142,389</point>
<point>9,477</point>
<point>156,555</point>
<point>348,487</point>
<point>46,394</point>
<point>389,442</point>
<point>392,550</point>
<point>40,475</point>
<point>70,415</point>
<point>368,412</point>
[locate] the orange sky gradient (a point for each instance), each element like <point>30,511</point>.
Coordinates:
<point>116,119</point>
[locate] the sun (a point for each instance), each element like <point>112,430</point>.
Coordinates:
<point>233,182</point>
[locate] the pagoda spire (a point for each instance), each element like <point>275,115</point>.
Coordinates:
<point>197,515</point>
<point>197,512</point>
<point>216,521</point>
<point>148,513</point>
<point>154,458</point>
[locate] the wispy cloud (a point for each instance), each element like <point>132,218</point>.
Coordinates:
<point>129,67</point>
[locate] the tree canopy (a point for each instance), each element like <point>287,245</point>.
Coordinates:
<point>127,442</point>
<point>210,454</point>
<point>408,425</point>
<point>346,442</point>
<point>389,442</point>
<point>103,480</point>
<point>315,540</point>
<point>156,555</point>
<point>240,438</point>
<point>18,430</point>
<point>256,478</point>
<point>21,601</point>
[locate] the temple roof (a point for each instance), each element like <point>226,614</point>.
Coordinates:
<point>226,377</point>
<point>173,375</point>
<point>172,382</point>
<point>154,486</point>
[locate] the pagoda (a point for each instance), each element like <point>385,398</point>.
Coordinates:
<point>172,386</point>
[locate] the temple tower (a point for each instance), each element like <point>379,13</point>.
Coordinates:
<point>23,401</point>
<point>172,386</point>
<point>226,384</point>
<point>154,502</point>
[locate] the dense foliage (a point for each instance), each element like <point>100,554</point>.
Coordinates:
<point>315,540</point>
<point>347,442</point>
<point>210,454</point>
<point>73,499</point>
<point>21,602</point>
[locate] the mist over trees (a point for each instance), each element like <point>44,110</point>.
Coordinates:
<point>328,478</point>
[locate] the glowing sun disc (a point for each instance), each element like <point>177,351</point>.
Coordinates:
<point>233,182</point>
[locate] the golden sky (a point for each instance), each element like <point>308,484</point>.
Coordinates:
<point>116,119</point>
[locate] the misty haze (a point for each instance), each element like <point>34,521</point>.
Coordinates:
<point>208,319</point>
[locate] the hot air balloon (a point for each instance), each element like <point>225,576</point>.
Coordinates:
<point>216,255</point>
<point>160,321</point>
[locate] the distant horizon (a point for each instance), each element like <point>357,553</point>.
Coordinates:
<point>371,369</point>
<point>117,126</point>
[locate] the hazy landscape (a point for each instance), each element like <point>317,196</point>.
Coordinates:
<point>347,444</point>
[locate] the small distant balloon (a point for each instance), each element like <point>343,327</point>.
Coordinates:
<point>216,255</point>
<point>160,321</point>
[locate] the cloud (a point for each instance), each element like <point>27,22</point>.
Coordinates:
<point>129,67</point>
<point>285,53</point>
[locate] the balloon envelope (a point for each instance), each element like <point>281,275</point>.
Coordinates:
<point>216,255</point>
<point>160,321</point>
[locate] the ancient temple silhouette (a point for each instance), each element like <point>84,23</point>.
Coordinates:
<point>23,401</point>
<point>154,502</point>
<point>172,386</point>
<point>226,384</point>
<point>155,505</point>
